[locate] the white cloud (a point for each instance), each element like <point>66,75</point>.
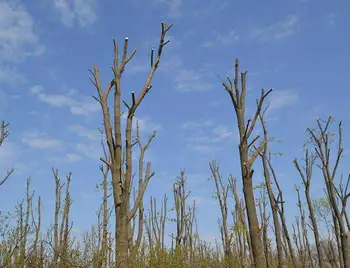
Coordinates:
<point>18,40</point>
<point>191,80</point>
<point>192,124</point>
<point>174,7</point>
<point>85,132</point>
<point>68,158</point>
<point>184,79</point>
<point>282,29</point>
<point>282,98</point>
<point>206,137</point>
<point>136,67</point>
<point>8,155</point>
<point>331,18</point>
<point>203,149</point>
<point>222,133</point>
<point>83,106</point>
<point>146,125</point>
<point>10,75</point>
<point>93,150</point>
<point>223,39</point>
<point>213,134</point>
<point>38,140</point>
<point>36,89</point>
<point>17,33</point>
<point>81,12</point>
<point>56,100</point>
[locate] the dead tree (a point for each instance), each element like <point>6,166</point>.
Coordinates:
<point>180,198</point>
<point>62,226</point>
<point>105,210</point>
<point>4,133</point>
<point>241,225</point>
<point>142,178</point>
<point>37,227</point>
<point>305,238</point>
<point>272,198</point>
<point>122,171</point>
<point>155,226</point>
<point>343,194</point>
<point>221,194</point>
<point>25,226</point>
<point>190,236</point>
<point>280,201</point>
<point>238,98</point>
<point>321,140</point>
<point>306,176</point>
<point>264,219</point>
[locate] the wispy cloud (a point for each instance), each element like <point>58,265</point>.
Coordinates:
<point>174,7</point>
<point>76,12</point>
<point>17,33</point>
<point>331,18</point>
<point>137,67</point>
<point>188,80</point>
<point>39,140</point>
<point>207,137</point>
<point>9,155</point>
<point>195,124</point>
<point>85,132</point>
<point>67,158</point>
<point>183,78</point>
<point>13,155</point>
<point>282,98</point>
<point>223,39</point>
<point>18,40</point>
<point>202,148</point>
<point>146,124</point>
<point>10,75</point>
<point>81,106</point>
<point>92,150</point>
<point>282,29</point>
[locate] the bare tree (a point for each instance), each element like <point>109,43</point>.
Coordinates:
<point>238,97</point>
<point>4,133</point>
<point>272,198</point>
<point>305,238</point>
<point>306,176</point>
<point>62,226</point>
<point>155,226</point>
<point>221,194</point>
<point>104,208</point>
<point>25,226</point>
<point>37,227</point>
<point>280,201</point>
<point>321,140</point>
<point>264,219</point>
<point>180,198</point>
<point>137,200</point>
<point>122,180</point>
<point>241,225</point>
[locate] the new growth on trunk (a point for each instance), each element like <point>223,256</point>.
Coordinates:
<point>238,98</point>
<point>122,171</point>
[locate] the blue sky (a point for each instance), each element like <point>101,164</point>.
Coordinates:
<point>299,48</point>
